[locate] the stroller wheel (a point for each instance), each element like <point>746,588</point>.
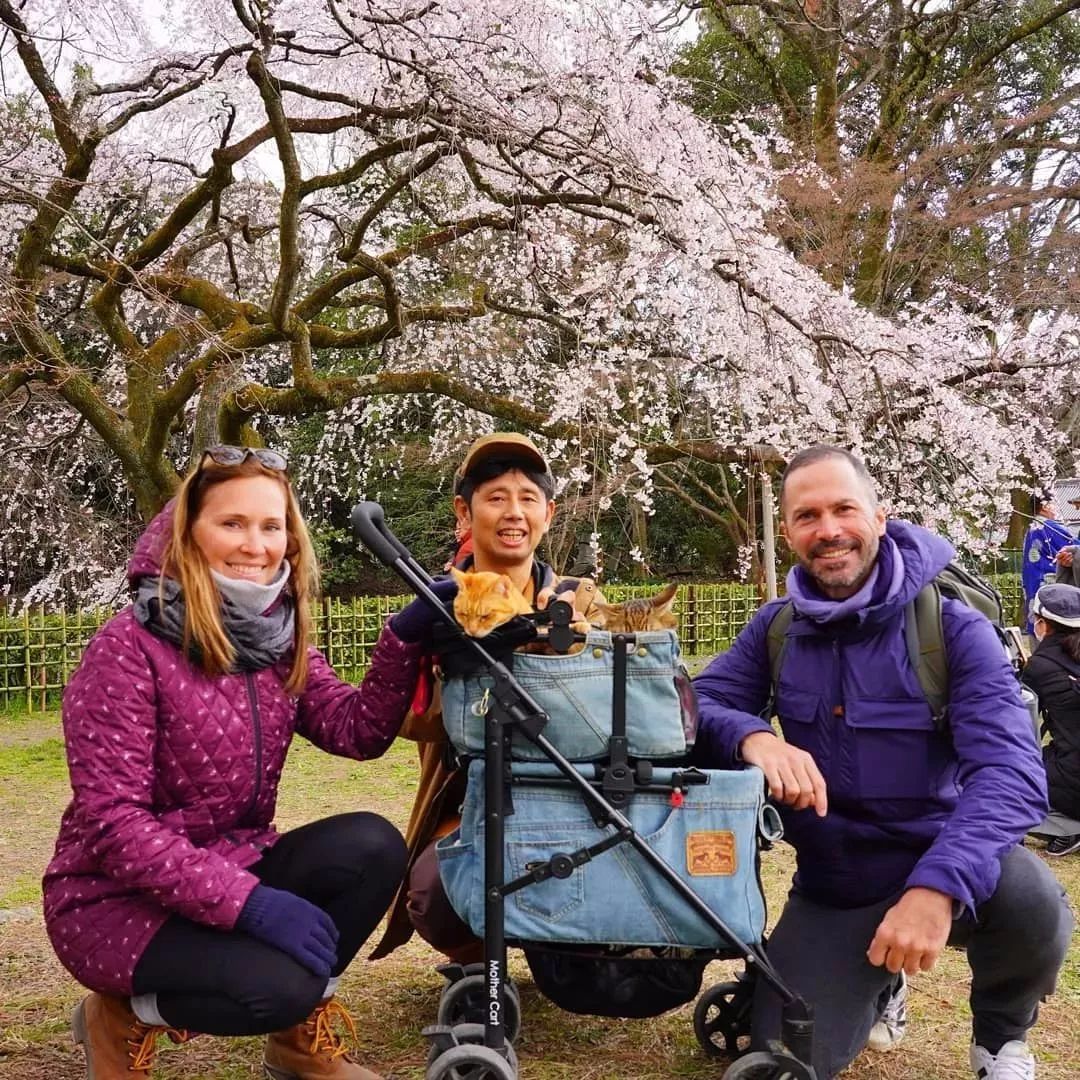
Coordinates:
<point>466,1002</point>
<point>765,1065</point>
<point>722,1018</point>
<point>444,1039</point>
<point>468,1062</point>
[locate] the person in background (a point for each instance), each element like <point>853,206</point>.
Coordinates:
<point>1044,541</point>
<point>908,835</point>
<point>170,895</point>
<point>1053,672</point>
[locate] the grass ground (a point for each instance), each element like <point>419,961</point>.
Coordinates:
<point>394,999</point>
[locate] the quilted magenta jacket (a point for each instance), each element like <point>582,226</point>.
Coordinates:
<point>175,774</point>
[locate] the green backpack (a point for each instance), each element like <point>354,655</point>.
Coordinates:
<point>923,630</point>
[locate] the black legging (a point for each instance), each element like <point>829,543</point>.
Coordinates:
<point>232,984</point>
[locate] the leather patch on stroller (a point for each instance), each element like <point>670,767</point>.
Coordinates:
<point>710,854</point>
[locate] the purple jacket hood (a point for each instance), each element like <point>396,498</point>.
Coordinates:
<point>149,554</point>
<point>909,557</point>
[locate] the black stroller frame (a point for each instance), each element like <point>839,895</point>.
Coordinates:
<point>474,1051</point>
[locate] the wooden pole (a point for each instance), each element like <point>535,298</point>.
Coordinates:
<point>769,534</point>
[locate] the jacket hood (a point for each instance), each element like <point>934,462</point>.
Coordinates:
<point>149,553</point>
<point>909,557</point>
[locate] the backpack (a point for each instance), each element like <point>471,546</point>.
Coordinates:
<point>923,631</point>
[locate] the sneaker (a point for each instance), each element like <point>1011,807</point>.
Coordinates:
<point>1014,1061</point>
<point>888,1029</point>
<point>1063,845</point>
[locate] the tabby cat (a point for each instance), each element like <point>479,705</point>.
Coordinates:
<point>639,614</point>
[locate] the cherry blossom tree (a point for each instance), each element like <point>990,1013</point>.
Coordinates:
<point>235,216</point>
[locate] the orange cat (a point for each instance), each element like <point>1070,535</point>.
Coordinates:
<point>639,614</point>
<point>486,600</point>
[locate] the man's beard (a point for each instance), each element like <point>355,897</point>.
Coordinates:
<point>847,578</point>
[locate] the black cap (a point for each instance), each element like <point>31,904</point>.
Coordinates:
<point>502,444</point>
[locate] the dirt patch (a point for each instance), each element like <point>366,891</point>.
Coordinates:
<point>28,730</point>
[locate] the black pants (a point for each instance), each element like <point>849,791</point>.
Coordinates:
<point>1015,944</point>
<point>1062,787</point>
<point>233,984</point>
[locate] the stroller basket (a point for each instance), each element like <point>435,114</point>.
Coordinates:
<point>706,832</point>
<point>574,691</point>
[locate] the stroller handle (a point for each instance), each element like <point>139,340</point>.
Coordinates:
<point>371,529</point>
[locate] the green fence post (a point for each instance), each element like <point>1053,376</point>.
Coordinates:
<point>691,621</point>
<point>28,681</point>
<point>329,625</point>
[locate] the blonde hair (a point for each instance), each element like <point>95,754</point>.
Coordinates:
<point>184,561</point>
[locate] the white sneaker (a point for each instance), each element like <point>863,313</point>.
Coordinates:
<point>888,1030</point>
<point>1014,1061</point>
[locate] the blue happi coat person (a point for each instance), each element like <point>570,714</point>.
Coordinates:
<point>907,834</point>
<point>1045,537</point>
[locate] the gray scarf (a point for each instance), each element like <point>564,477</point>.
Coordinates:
<point>260,641</point>
<point>249,597</point>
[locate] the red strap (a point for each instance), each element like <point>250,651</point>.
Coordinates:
<point>425,688</point>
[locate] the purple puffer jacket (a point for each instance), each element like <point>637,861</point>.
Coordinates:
<point>909,805</point>
<point>175,776</point>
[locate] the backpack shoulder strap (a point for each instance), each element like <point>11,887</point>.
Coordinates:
<point>777,644</point>
<point>925,635</point>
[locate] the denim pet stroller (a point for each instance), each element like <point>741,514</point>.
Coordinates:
<point>590,845</point>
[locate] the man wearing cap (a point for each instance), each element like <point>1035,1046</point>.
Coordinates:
<point>503,502</point>
<point>1053,672</point>
<point>1045,539</point>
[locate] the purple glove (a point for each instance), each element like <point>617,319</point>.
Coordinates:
<point>293,925</point>
<point>414,621</point>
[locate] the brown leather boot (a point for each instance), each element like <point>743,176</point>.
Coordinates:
<point>313,1050</point>
<point>118,1045</point>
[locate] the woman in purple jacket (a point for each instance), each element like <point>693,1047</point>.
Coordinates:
<point>170,894</point>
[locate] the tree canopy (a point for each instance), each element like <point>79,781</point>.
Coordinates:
<point>941,140</point>
<point>401,217</point>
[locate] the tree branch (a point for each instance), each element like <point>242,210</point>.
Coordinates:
<point>289,241</point>
<point>255,399</point>
<point>63,122</point>
<point>322,295</point>
<point>383,152</point>
<point>14,379</point>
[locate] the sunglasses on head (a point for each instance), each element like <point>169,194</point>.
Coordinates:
<point>237,455</point>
